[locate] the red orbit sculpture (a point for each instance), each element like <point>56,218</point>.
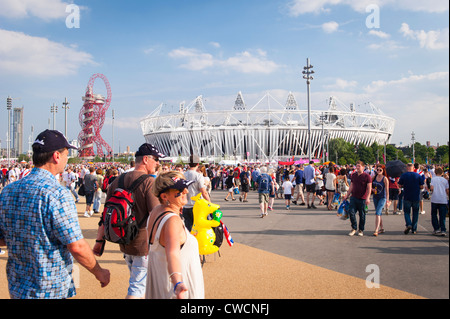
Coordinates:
<point>92,118</point>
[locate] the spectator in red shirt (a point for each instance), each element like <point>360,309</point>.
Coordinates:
<point>360,189</point>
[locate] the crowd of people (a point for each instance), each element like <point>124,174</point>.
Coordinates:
<point>46,194</point>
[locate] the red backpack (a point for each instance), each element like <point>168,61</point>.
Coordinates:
<point>105,184</point>
<point>119,219</point>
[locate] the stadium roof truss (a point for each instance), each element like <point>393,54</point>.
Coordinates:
<point>263,134</point>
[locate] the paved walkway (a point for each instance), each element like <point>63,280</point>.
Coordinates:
<point>297,254</point>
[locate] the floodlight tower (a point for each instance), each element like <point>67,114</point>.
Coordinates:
<point>54,110</point>
<point>307,75</point>
<point>65,107</point>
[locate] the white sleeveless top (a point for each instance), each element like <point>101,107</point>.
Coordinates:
<point>159,285</point>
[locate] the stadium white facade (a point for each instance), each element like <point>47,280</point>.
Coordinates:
<point>273,133</point>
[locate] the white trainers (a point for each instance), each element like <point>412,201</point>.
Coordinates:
<point>87,214</point>
<point>360,233</point>
<point>353,232</point>
<point>422,212</point>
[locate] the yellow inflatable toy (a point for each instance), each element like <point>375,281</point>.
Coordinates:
<point>201,228</point>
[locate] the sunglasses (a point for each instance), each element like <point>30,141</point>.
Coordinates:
<point>153,158</point>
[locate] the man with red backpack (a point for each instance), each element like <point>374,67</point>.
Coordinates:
<point>136,251</point>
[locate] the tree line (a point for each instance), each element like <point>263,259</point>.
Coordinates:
<point>344,152</point>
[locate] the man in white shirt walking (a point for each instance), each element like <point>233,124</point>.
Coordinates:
<point>439,200</point>
<point>197,187</point>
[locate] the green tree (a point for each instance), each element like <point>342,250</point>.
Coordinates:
<point>420,152</point>
<point>378,151</point>
<point>337,147</point>
<point>23,157</point>
<point>441,155</point>
<point>365,154</point>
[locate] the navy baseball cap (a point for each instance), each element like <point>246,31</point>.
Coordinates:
<point>149,149</point>
<point>178,184</point>
<point>49,141</point>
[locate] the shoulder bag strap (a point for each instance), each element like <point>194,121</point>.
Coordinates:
<point>156,220</point>
<point>121,181</point>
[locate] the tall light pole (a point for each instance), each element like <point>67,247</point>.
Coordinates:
<point>65,107</point>
<point>54,110</point>
<point>413,140</point>
<point>307,71</point>
<point>8,132</point>
<point>322,120</point>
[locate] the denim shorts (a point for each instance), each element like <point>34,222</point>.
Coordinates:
<point>138,266</point>
<point>379,205</point>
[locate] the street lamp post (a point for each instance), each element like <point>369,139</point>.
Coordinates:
<point>307,71</point>
<point>413,140</point>
<point>54,110</point>
<point>322,120</point>
<point>65,107</point>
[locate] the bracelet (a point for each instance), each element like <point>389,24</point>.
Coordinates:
<point>176,285</point>
<point>179,273</point>
<point>100,241</point>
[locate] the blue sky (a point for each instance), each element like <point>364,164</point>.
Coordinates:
<point>170,51</point>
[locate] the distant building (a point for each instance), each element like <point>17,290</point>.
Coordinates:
<point>17,131</point>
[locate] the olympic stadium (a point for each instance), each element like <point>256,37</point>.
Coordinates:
<point>266,133</point>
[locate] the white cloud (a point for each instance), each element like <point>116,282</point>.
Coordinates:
<point>433,40</point>
<point>129,123</point>
<point>149,50</point>
<point>299,7</point>
<point>244,62</point>
<point>196,60</point>
<point>407,82</point>
<point>215,44</point>
<point>36,56</point>
<point>341,84</point>
<point>436,6</point>
<point>330,27</point>
<point>380,34</point>
<point>418,102</point>
<point>43,9</point>
<point>386,45</point>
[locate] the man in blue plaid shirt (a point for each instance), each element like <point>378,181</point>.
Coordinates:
<point>39,225</point>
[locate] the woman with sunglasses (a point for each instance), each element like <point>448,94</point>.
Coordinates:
<point>380,190</point>
<point>174,268</point>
